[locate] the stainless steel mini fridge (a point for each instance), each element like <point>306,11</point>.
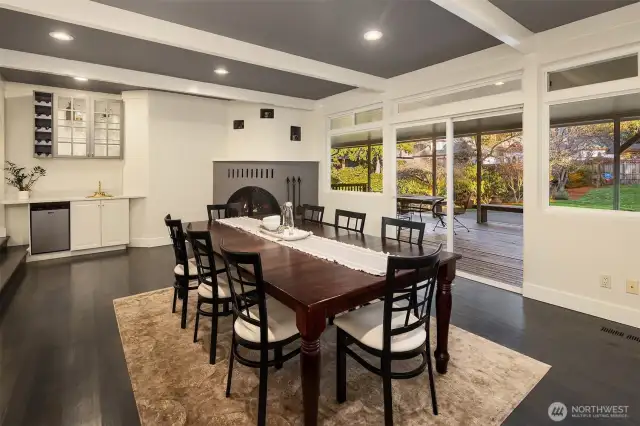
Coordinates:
<point>49,227</point>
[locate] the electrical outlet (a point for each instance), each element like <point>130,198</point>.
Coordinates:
<point>605,281</point>
<point>632,287</point>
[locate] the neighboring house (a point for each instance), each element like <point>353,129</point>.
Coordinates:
<point>594,152</point>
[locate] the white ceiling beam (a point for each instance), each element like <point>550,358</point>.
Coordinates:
<point>486,16</point>
<point>119,21</point>
<point>50,65</point>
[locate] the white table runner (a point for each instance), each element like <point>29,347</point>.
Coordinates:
<point>358,258</point>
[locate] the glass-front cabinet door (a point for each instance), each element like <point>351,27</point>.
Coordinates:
<point>71,120</point>
<point>107,128</point>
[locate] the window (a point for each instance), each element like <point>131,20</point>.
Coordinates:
<point>341,122</point>
<point>369,116</point>
<point>356,161</point>
<point>355,118</point>
<point>599,72</point>
<point>462,95</point>
<point>594,154</point>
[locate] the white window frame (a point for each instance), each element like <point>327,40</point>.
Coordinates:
<point>608,89</point>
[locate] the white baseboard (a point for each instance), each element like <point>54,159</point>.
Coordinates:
<point>586,305</point>
<point>63,254</point>
<point>489,281</point>
<point>150,242</point>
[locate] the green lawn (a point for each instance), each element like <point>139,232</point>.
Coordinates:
<point>602,198</point>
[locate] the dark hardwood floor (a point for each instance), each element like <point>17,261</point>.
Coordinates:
<point>61,360</point>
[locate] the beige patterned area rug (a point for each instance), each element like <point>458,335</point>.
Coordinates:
<point>174,384</point>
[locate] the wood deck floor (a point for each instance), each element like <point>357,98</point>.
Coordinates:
<point>491,250</point>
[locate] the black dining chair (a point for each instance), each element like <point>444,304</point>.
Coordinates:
<point>358,220</point>
<point>312,213</point>
<point>260,324</point>
<point>394,329</point>
<point>222,211</point>
<point>185,271</point>
<point>234,210</point>
<point>400,225</point>
<point>216,211</point>
<point>214,293</point>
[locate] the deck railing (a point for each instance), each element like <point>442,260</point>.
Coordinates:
<point>356,187</point>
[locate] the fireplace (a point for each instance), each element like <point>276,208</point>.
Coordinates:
<point>255,201</point>
<point>261,187</point>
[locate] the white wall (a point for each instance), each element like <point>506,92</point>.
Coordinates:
<point>269,139</point>
<point>565,250</point>
<point>171,159</point>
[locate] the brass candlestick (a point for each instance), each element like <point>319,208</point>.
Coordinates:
<point>100,193</point>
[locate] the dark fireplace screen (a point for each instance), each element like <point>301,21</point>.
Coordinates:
<point>255,201</point>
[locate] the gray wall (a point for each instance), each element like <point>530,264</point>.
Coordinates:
<point>229,176</point>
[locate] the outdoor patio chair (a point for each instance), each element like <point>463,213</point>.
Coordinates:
<point>440,213</point>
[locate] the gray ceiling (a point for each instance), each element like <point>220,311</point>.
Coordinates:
<point>29,33</point>
<point>417,33</point>
<point>38,78</point>
<point>542,15</point>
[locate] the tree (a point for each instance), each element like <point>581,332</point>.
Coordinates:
<point>513,176</point>
<point>572,146</point>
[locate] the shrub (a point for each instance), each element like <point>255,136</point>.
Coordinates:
<point>493,185</point>
<point>356,174</point>
<point>561,195</point>
<point>579,178</point>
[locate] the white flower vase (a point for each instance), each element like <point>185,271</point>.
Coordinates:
<point>23,195</point>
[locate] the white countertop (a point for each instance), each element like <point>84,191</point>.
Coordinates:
<point>55,197</point>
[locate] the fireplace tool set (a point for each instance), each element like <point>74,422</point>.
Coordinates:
<point>291,184</point>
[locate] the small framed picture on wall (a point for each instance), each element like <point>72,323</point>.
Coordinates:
<point>296,133</point>
<point>238,124</point>
<point>267,113</point>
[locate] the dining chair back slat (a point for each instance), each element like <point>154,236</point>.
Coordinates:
<point>358,220</point>
<point>178,242</point>
<point>312,213</point>
<point>202,247</point>
<point>400,224</point>
<point>417,298</point>
<point>252,289</point>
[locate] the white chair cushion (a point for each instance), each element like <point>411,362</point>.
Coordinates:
<point>365,325</point>
<point>204,289</point>
<point>281,322</point>
<point>193,268</point>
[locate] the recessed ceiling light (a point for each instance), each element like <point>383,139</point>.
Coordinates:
<point>372,35</point>
<point>62,36</point>
<point>499,83</point>
<point>221,71</point>
<point>81,79</point>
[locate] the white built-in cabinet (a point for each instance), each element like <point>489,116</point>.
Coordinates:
<point>87,127</point>
<point>99,223</point>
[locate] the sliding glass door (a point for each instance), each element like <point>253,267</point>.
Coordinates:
<point>422,180</point>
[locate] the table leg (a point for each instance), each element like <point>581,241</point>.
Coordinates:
<point>310,325</point>
<point>446,275</point>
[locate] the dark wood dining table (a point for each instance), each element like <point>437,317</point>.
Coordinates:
<point>317,289</point>
<point>425,199</point>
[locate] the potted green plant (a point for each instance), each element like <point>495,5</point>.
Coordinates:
<point>21,179</point>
